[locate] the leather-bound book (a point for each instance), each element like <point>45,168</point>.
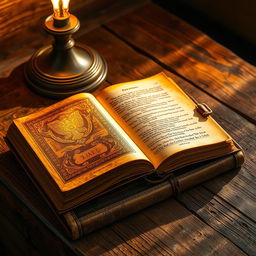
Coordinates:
<point>86,146</point>
<point>143,193</point>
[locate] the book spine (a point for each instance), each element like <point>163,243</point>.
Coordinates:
<point>79,226</point>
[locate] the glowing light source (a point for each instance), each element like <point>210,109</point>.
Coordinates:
<point>64,68</point>
<point>60,8</point>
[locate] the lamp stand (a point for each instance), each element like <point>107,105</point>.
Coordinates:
<point>63,68</point>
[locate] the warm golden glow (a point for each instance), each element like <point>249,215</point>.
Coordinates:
<point>60,7</point>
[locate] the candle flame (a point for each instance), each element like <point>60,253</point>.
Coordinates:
<point>60,7</point>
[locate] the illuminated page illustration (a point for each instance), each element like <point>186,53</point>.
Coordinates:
<point>78,141</point>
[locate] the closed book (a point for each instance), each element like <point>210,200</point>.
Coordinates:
<point>143,193</point>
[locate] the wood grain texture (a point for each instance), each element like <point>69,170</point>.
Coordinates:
<point>205,219</point>
<point>21,24</point>
<point>36,236</point>
<point>165,229</point>
<point>180,48</point>
<point>25,16</point>
<point>13,242</point>
<point>220,216</point>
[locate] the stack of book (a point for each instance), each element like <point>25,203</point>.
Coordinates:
<point>98,158</point>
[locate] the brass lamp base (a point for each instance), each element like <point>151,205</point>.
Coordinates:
<point>64,69</point>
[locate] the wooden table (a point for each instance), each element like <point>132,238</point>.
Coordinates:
<point>215,218</point>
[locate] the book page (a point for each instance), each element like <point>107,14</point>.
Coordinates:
<point>159,117</point>
<point>77,140</point>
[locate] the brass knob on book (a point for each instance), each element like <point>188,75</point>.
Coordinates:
<point>203,109</point>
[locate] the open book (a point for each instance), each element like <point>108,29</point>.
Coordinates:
<point>86,145</point>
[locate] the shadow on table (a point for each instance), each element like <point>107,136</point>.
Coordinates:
<point>171,226</point>
<point>16,99</point>
<point>14,92</point>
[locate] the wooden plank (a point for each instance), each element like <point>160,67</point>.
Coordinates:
<point>13,176</point>
<point>13,242</point>
<point>21,24</point>
<point>24,223</point>
<point>15,101</point>
<point>198,240</point>
<point>104,242</point>
<point>165,229</point>
<point>181,48</point>
<point>237,189</point>
<point>16,14</point>
<point>218,214</point>
<point>20,16</point>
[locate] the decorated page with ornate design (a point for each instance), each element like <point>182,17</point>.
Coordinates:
<point>69,145</point>
<point>77,140</point>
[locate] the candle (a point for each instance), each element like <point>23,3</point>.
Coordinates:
<point>60,8</point>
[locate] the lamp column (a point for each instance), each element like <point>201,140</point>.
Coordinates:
<point>64,68</point>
